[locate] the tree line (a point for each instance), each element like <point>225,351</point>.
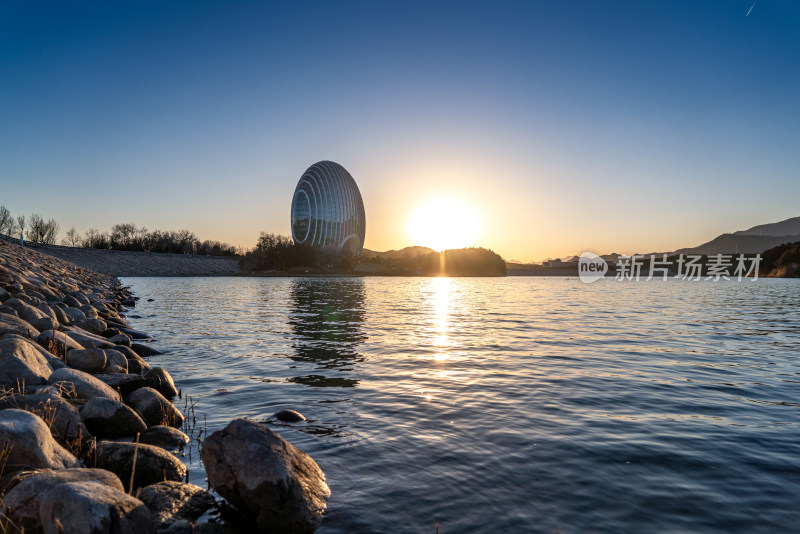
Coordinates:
<point>280,253</point>
<point>126,236</point>
<point>33,228</point>
<point>783,260</point>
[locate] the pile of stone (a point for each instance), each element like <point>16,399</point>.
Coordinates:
<point>89,437</point>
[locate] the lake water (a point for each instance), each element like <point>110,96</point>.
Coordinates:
<point>506,405</point>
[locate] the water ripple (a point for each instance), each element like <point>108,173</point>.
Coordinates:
<point>507,405</point>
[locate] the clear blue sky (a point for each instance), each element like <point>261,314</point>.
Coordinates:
<point>612,126</point>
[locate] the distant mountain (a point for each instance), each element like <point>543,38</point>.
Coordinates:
<point>787,227</point>
<point>756,239</point>
<point>752,241</point>
<point>739,244</point>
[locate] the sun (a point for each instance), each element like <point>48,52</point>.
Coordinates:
<point>443,223</point>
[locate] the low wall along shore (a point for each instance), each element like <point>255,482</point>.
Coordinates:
<point>90,440</point>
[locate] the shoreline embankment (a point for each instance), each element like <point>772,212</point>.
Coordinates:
<point>121,263</point>
<point>90,440</point>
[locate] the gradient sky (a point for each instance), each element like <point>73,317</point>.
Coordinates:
<point>568,126</point>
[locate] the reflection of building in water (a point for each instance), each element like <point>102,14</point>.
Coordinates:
<point>327,318</point>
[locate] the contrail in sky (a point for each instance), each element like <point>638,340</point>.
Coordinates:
<point>751,8</point>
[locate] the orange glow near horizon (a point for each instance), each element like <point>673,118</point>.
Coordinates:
<point>443,223</point>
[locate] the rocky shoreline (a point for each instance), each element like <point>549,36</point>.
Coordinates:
<point>90,440</point>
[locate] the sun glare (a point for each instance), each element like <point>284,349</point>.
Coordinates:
<point>443,224</point>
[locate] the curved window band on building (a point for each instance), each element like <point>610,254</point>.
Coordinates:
<point>327,210</point>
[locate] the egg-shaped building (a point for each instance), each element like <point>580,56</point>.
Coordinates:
<point>327,210</point>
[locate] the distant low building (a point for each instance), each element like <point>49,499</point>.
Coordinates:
<point>571,263</point>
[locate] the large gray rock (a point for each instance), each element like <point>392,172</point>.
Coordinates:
<point>45,323</point>
<point>94,326</point>
<point>174,501</point>
<point>11,324</point>
<point>87,340</point>
<point>23,501</point>
<point>124,383</point>
<point>165,437</point>
<point>261,473</point>
<point>84,385</point>
<point>111,331</point>
<point>72,302</point>
<point>89,310</point>
<point>127,352</point>
<point>55,362</point>
<point>135,334</point>
<point>61,317</point>
<point>6,310</point>
<point>144,350</point>
<point>153,464</point>
<point>160,380</point>
<point>26,311</point>
<point>136,363</point>
<point>22,363</point>
<point>47,308</point>
<point>87,360</point>
<point>92,508</point>
<point>74,314</point>
<point>118,339</point>
<point>155,409</point>
<point>108,418</point>
<point>116,362</point>
<point>60,416</point>
<point>78,297</point>
<point>31,444</point>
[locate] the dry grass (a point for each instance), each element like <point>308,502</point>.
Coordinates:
<point>82,447</point>
<point>190,428</point>
<point>5,454</point>
<point>7,526</point>
<point>46,412</point>
<point>18,389</point>
<point>57,348</point>
<point>133,468</point>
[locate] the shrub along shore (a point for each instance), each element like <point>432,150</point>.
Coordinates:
<point>90,440</point>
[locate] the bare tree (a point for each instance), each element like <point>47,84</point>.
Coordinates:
<point>50,233</point>
<point>95,239</point>
<point>122,235</point>
<point>72,238</point>
<point>21,224</point>
<point>7,223</point>
<point>35,228</point>
<point>41,231</point>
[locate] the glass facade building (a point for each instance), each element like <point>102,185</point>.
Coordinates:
<point>327,210</point>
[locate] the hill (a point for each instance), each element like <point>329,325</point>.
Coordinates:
<point>787,227</point>
<point>783,260</point>
<point>739,244</point>
<point>752,241</point>
<point>414,261</point>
